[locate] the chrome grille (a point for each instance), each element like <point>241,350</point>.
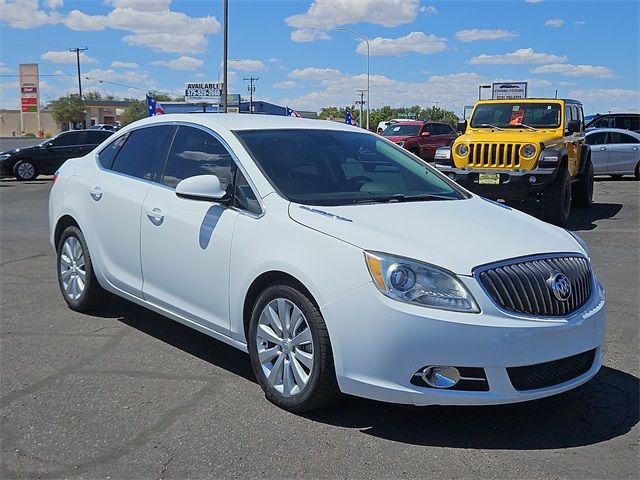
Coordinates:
<point>494,155</point>
<point>522,286</point>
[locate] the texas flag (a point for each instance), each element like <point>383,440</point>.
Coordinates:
<point>348,119</point>
<point>153,108</point>
<point>292,113</point>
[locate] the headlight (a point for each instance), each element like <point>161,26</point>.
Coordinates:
<point>528,150</point>
<point>414,282</point>
<point>579,239</point>
<point>462,149</point>
<point>4,156</point>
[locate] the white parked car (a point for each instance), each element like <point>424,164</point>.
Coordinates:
<point>614,152</point>
<point>338,260</point>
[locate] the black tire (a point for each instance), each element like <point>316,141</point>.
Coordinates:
<point>583,193</point>
<point>556,200</point>
<point>92,296</point>
<point>25,170</point>
<point>321,388</point>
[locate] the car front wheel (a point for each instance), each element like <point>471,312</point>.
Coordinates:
<point>25,170</point>
<point>77,280</point>
<point>290,350</point>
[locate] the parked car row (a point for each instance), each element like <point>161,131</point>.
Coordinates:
<point>420,138</point>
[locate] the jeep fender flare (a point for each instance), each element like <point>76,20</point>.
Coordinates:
<point>585,154</point>
<point>561,153</point>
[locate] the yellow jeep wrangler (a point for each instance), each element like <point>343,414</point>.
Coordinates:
<point>525,150</point>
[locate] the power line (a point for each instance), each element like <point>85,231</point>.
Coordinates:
<point>251,88</point>
<point>78,50</point>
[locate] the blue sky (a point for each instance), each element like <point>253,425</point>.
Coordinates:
<point>421,52</point>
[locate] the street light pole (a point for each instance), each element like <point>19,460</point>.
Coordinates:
<point>368,76</point>
<point>224,59</point>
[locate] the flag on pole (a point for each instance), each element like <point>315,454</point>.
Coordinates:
<point>348,119</point>
<point>292,113</point>
<point>153,108</point>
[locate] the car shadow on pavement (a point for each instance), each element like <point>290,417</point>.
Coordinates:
<point>585,218</point>
<point>604,408</point>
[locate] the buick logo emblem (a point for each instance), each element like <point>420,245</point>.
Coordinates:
<point>560,286</point>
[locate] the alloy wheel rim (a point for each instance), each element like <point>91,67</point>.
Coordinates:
<point>285,347</point>
<point>26,170</point>
<point>72,268</point>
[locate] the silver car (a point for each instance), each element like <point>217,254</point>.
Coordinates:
<point>615,152</point>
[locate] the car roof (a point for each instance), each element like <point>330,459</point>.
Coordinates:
<point>241,122</point>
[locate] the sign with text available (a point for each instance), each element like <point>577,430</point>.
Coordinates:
<point>203,92</point>
<point>29,95</point>
<point>503,91</point>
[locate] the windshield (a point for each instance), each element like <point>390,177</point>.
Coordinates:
<point>326,167</point>
<point>514,115</point>
<point>396,130</point>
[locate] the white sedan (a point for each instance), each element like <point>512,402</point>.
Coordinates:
<point>615,152</point>
<point>339,261</point>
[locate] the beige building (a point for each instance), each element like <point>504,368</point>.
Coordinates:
<point>10,125</point>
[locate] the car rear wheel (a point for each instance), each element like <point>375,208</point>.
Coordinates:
<point>556,200</point>
<point>290,350</point>
<point>77,280</point>
<point>25,170</point>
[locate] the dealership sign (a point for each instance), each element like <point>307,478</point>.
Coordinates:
<point>203,92</point>
<point>503,91</point>
<point>29,98</point>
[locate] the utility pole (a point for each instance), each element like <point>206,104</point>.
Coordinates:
<point>251,88</point>
<point>224,56</point>
<point>78,50</point>
<point>361,92</point>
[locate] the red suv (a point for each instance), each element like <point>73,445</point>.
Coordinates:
<point>421,138</point>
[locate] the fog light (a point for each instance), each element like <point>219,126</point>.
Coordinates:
<point>532,179</point>
<point>440,377</point>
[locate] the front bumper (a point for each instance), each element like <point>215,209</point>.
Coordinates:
<point>514,185</point>
<point>379,344</point>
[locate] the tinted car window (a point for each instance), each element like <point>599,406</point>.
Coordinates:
<point>69,138</point>
<point>597,138</point>
<point>196,152</point>
<point>628,123</point>
<point>108,154</point>
<point>401,130</point>
<point>617,137</point>
<point>142,152</point>
<point>322,167</point>
<point>512,115</point>
<point>97,137</point>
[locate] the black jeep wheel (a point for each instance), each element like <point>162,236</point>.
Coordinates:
<point>583,193</point>
<point>556,200</point>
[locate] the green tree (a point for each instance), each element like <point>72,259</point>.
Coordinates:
<point>439,115</point>
<point>68,109</point>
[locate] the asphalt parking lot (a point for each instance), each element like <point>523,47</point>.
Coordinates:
<point>128,393</point>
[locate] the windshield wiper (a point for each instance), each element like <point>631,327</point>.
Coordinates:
<point>488,125</point>
<point>525,126</point>
<point>400,197</point>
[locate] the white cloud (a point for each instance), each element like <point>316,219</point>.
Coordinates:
<point>607,94</point>
<point>287,84</point>
<point>554,23</point>
<point>246,65</point>
<point>53,4</point>
<point>25,14</point>
<point>519,57</point>
<point>324,15</point>
<point>413,42</point>
<point>533,1</point>
<point>579,23</point>
<point>151,23</point>
<point>4,68</point>
<point>199,75</point>
<point>313,73</point>
<point>119,64</point>
<point>429,10</point>
<point>477,34</point>
<point>575,70</point>
<point>183,63</point>
<point>168,42</point>
<point>134,78</point>
<point>65,56</point>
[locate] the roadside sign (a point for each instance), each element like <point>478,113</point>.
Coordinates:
<point>503,91</point>
<point>203,92</point>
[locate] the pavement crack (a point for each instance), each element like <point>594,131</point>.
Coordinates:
<point>166,466</point>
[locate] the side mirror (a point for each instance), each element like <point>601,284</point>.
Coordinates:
<point>462,126</point>
<point>201,187</point>
<point>425,134</point>
<point>574,126</point>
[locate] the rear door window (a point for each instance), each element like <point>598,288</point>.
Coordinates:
<point>143,152</point>
<point>598,138</point>
<point>108,154</point>
<point>68,139</point>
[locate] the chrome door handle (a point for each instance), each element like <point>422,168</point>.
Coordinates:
<point>96,193</point>
<point>635,149</point>
<point>155,216</point>
<point>602,149</point>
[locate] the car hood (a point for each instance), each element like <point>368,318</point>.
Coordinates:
<point>21,149</point>
<point>398,138</point>
<point>454,234</point>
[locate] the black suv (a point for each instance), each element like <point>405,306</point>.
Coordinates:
<point>626,121</point>
<point>44,159</point>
